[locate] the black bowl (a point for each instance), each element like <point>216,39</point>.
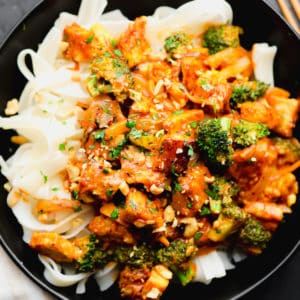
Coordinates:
<point>261,24</point>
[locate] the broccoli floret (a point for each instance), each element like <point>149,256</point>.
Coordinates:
<point>250,231</point>
<point>217,138</point>
<point>135,257</point>
<point>217,38</point>
<point>288,149</point>
<point>177,43</point>
<point>234,212</point>
<point>248,91</point>
<point>174,255</point>
<point>95,257</point>
<point>109,75</point>
<point>215,143</point>
<point>246,133</point>
<point>254,234</point>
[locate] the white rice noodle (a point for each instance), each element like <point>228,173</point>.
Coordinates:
<point>39,64</point>
<point>90,12</point>
<point>209,266</point>
<point>238,255</point>
<point>47,131</point>
<point>263,58</point>
<point>107,276</point>
<point>67,223</point>
<point>192,17</point>
<point>163,12</point>
<point>64,20</point>
<point>226,259</point>
<point>27,96</point>
<point>49,48</point>
<point>53,273</point>
<point>114,15</point>
<point>59,81</point>
<point>80,288</point>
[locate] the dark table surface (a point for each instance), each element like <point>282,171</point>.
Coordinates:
<point>284,284</point>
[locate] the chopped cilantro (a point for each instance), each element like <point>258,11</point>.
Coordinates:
<point>198,235</point>
<point>118,52</point>
<point>190,150</point>
<point>130,124</point>
<point>99,135</point>
<point>155,117</point>
<point>115,214</point>
<point>115,152</point>
<point>213,192</point>
<point>62,147</point>
<point>177,187</point>
<point>189,205</point>
<point>114,43</point>
<point>105,171</point>
<point>178,112</point>
<point>107,54</point>
<point>89,39</point>
<point>193,124</point>
<point>173,171</point>
<point>45,177</point>
<point>109,193</point>
<point>75,194</point>
<point>204,211</point>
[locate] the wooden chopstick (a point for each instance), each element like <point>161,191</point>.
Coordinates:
<point>288,14</point>
<point>296,6</point>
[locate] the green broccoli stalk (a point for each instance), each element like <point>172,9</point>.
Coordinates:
<point>135,257</point>
<point>95,257</point>
<point>184,274</point>
<point>246,133</point>
<point>248,91</point>
<point>215,143</point>
<point>233,219</point>
<point>217,38</point>
<point>176,43</point>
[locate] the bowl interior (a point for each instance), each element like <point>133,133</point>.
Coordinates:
<point>260,24</point>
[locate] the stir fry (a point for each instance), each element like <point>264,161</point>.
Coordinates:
<point>184,151</point>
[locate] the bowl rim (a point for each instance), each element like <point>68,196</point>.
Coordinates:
<point>46,287</point>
